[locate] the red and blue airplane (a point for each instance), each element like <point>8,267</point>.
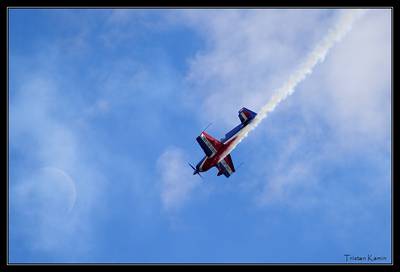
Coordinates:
<point>218,152</point>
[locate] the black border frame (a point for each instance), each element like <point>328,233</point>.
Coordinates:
<point>14,4</point>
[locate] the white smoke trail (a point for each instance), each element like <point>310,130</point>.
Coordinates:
<point>334,35</point>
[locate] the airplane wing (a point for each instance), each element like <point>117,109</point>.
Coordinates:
<point>226,166</point>
<point>209,144</point>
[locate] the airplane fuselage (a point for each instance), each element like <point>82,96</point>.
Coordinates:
<point>208,162</point>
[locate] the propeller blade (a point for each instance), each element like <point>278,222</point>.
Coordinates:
<point>192,166</point>
<point>198,173</point>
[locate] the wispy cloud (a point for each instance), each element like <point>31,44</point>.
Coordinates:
<point>176,185</point>
<point>334,35</point>
<point>50,207</point>
<point>349,95</point>
<point>246,57</point>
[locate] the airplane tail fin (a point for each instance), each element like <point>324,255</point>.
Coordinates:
<point>246,115</point>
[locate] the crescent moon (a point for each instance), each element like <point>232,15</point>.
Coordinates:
<point>68,181</point>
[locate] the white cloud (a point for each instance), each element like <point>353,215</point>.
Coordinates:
<point>46,198</point>
<point>40,200</point>
<point>177,182</point>
<point>358,83</point>
<point>250,54</point>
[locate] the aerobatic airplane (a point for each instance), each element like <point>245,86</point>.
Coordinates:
<point>218,152</point>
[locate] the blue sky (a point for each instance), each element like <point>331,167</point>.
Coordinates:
<point>105,105</point>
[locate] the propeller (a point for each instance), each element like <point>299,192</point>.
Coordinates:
<point>195,170</point>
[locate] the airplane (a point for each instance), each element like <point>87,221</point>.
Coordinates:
<point>218,152</point>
